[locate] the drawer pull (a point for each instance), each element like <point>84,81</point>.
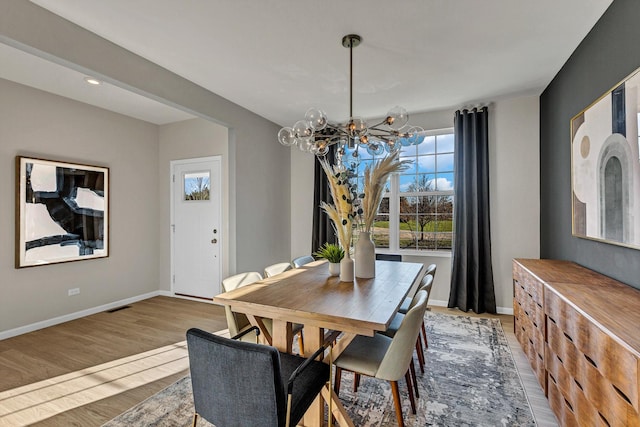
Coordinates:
<point>558,357</point>
<point>624,396</point>
<point>566,402</point>
<point>552,378</point>
<point>604,419</point>
<point>578,384</point>
<point>568,336</point>
<point>590,360</point>
<point>552,319</point>
<point>539,305</point>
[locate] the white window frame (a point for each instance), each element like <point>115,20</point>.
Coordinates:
<point>394,213</point>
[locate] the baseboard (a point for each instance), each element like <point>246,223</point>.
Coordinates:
<point>500,310</point>
<point>73,316</point>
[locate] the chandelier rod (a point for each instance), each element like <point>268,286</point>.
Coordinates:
<point>350,80</point>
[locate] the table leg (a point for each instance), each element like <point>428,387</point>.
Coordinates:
<point>282,335</point>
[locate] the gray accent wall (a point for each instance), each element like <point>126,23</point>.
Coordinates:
<point>606,56</point>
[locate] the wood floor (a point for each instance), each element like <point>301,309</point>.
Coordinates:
<point>87,371</point>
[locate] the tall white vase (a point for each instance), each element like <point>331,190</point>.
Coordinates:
<point>365,256</point>
<point>346,268</point>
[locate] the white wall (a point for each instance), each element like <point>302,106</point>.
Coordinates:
<point>38,124</point>
<point>185,140</point>
<point>514,192</point>
<point>514,165</point>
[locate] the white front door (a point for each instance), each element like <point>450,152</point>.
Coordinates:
<point>196,227</point>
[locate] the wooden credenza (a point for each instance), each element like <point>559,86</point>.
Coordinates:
<point>581,333</point>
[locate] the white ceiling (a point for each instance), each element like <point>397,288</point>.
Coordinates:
<point>277,58</point>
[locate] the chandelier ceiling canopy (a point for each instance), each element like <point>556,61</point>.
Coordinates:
<point>315,134</point>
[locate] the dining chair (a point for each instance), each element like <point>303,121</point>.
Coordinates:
<point>278,268</point>
<point>238,322</point>
<point>302,260</point>
<point>431,271</point>
<point>386,358</point>
<point>243,384</point>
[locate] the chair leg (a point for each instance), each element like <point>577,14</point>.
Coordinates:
<point>412,368</point>
<point>420,354</point>
<point>407,378</point>
<point>195,419</point>
<point>336,385</point>
<point>301,342</point>
<point>424,335</point>
<point>356,382</point>
<point>396,402</point>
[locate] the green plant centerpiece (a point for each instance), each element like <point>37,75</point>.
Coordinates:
<point>331,252</point>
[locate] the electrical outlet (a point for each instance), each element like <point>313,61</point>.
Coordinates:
<point>74,291</point>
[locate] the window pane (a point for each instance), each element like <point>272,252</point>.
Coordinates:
<point>427,164</point>
<point>428,146</point>
<point>445,143</point>
<point>408,151</point>
<point>445,162</point>
<point>197,186</point>
<point>444,241</point>
<point>384,206</point>
<point>445,206</point>
<point>427,204</point>
<point>380,231</point>
<point>408,205</point>
<point>427,243</point>
<point>444,182</point>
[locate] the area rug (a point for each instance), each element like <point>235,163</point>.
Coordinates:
<point>470,379</point>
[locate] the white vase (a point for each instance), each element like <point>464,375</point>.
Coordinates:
<point>365,256</point>
<point>346,268</point>
<point>334,268</point>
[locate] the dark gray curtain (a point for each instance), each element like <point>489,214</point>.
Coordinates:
<point>472,275</point>
<point>323,230</point>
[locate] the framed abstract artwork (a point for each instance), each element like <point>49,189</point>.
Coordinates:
<point>62,212</point>
<point>605,166</point>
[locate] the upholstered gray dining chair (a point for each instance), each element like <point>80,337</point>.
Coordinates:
<point>242,384</point>
<point>238,322</point>
<point>301,260</point>
<point>386,358</point>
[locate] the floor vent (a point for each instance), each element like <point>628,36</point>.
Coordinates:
<point>113,310</point>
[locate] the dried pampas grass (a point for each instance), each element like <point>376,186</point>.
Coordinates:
<point>341,211</point>
<point>375,178</point>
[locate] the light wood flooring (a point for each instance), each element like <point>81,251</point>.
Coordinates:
<point>87,371</point>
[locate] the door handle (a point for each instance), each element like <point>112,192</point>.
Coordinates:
<point>214,241</point>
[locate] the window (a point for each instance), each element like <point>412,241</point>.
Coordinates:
<point>416,213</point>
<point>197,185</point>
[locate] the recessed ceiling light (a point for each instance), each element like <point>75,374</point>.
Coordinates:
<point>92,81</point>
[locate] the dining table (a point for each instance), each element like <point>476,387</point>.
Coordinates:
<point>330,310</point>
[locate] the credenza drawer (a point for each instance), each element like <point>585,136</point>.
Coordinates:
<point>529,282</point>
<point>589,352</point>
<point>532,309</point>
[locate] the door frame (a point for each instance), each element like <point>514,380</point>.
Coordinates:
<point>223,228</point>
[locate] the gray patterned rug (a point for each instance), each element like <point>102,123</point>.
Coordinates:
<point>470,380</point>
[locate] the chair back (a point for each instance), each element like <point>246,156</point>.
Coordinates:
<point>234,382</point>
<point>396,360</point>
<point>431,270</point>
<point>278,268</point>
<point>302,260</point>
<point>426,283</point>
<point>236,322</point>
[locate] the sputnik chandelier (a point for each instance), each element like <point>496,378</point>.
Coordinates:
<point>315,134</point>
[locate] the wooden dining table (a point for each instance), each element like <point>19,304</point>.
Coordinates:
<point>327,308</point>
